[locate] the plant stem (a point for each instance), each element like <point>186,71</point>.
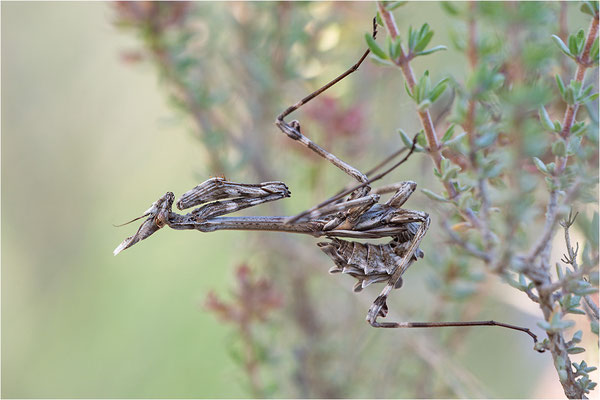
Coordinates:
<point>403,62</point>
<point>546,287</point>
<point>583,63</point>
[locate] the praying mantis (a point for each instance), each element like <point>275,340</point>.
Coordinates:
<point>353,213</point>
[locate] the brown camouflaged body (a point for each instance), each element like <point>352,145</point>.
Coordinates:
<point>367,262</point>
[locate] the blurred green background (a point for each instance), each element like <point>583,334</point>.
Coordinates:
<point>89,141</point>
<point>86,144</point>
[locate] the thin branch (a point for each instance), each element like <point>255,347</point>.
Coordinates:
<point>583,63</point>
<point>472,49</point>
<point>468,247</point>
<point>403,62</point>
<point>551,217</point>
<point>567,279</point>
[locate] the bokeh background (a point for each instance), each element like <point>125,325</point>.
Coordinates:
<point>91,139</point>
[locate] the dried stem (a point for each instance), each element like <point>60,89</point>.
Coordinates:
<point>251,363</point>
<point>472,49</point>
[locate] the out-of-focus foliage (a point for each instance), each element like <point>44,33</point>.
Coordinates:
<point>74,318</point>
<point>493,176</point>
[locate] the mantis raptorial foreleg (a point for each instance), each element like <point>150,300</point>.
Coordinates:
<point>218,189</point>
<point>240,195</point>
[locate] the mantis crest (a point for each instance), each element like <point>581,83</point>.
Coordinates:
<point>354,213</point>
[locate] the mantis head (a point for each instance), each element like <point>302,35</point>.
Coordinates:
<point>158,216</point>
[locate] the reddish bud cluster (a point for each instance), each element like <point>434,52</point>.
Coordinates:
<point>253,299</point>
<point>159,14</point>
<point>336,120</point>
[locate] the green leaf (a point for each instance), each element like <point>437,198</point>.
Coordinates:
<point>513,283</point>
<point>450,173</point>
<point>378,19</point>
<point>580,39</point>
<point>374,47</point>
<point>395,47</point>
<point>574,145</point>
<point>559,148</point>
<point>421,89</point>
<point>575,350</point>
<point>585,92</point>
<point>558,324</point>
<point>449,8</point>
<point>405,138</point>
<point>434,196</point>
<point>444,165</point>
<point>486,139</point>
<point>388,45</point>
<point>559,271</point>
<point>437,91</point>
<point>421,139</point>
<point>589,98</point>
<point>561,85</point>
<point>431,50</point>
<point>576,85</point>
<point>458,41</point>
<point>540,165</point>
<point>584,290</point>
<point>563,47</point>
<point>578,129</point>
<point>577,336</point>
<point>449,133</point>
<point>573,48</point>
<point>570,96</point>
<point>587,8</point>
<point>557,126</point>
<point>594,52</point>
<point>423,41</point>
<point>456,140</point>
<point>544,325</point>
<point>392,5</point>
<point>545,119</point>
<point>408,90</point>
<point>380,61</point>
<point>594,326</point>
<point>412,37</point>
